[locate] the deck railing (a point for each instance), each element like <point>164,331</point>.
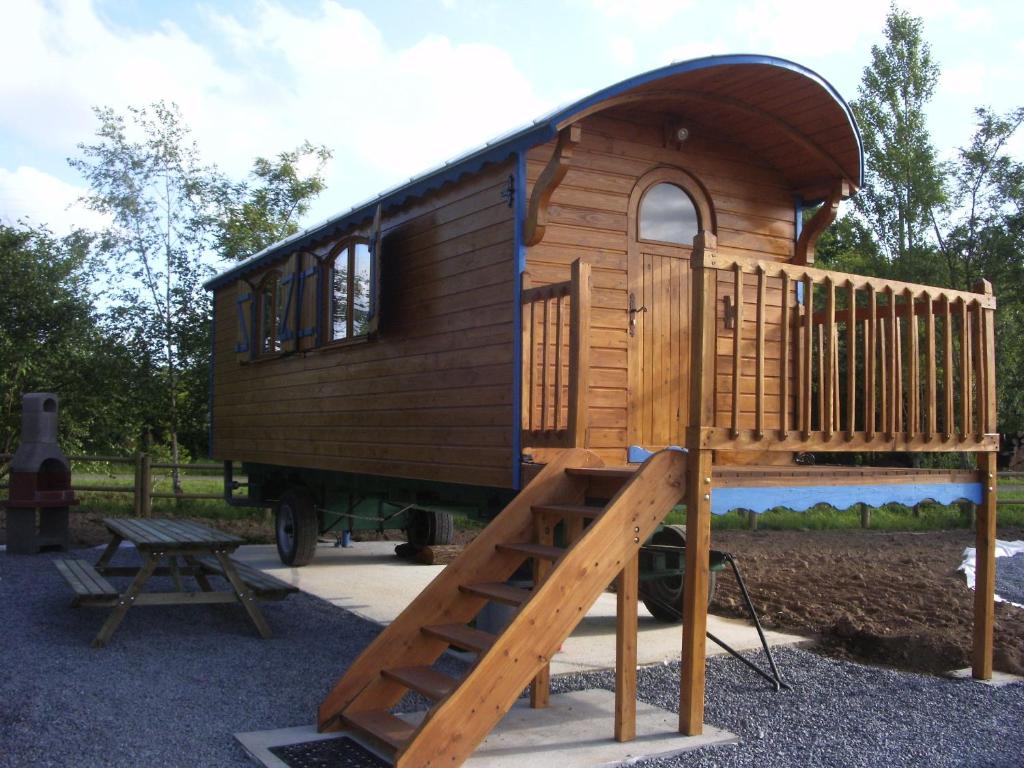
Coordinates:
<point>555,329</point>
<point>844,362</point>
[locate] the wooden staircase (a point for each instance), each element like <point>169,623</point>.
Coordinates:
<point>567,582</point>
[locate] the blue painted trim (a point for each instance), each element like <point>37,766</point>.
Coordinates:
<point>802,498</point>
<point>798,218</point>
<point>519,254</point>
<point>637,454</point>
<point>515,143</point>
<point>209,395</point>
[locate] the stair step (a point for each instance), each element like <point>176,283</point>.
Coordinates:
<point>498,592</point>
<point>382,726</point>
<point>578,511</point>
<point>542,551</point>
<point>462,636</point>
<point>431,683</point>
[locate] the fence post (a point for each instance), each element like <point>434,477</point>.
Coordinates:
<point>146,486</point>
<point>751,520</point>
<point>137,485</point>
<point>865,516</point>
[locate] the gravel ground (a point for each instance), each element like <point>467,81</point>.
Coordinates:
<point>1010,578</point>
<point>175,684</point>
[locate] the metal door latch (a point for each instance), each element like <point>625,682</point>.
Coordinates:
<point>633,311</point>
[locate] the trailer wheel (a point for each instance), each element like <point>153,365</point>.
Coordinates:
<point>428,527</point>
<point>664,597</point>
<point>295,527</point>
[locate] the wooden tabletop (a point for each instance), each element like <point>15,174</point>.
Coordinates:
<point>162,532</point>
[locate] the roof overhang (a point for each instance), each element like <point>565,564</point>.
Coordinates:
<point>785,114</point>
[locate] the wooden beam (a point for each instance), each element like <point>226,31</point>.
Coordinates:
<point>809,235</point>
<point>985,569</point>
<point>550,178</point>
<point>626,588</point>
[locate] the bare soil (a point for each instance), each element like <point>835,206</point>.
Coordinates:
<point>893,599</point>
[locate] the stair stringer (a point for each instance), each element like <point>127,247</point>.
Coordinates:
<point>402,643</point>
<point>456,726</point>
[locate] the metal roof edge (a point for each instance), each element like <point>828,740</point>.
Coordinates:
<point>541,130</point>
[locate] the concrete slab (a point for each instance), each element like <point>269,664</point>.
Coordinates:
<point>999,679</point>
<point>370,581</point>
<point>574,732</point>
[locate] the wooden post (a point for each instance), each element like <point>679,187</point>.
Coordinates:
<point>698,486</point>
<point>137,495</point>
<point>865,516</point>
<point>579,342</point>
<point>985,569</point>
<point>626,588</point>
<point>146,487</point>
<point>751,520</point>
<point>540,687</point>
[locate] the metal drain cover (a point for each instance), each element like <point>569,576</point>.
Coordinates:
<point>342,752</point>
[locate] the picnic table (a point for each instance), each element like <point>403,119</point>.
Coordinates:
<point>189,550</point>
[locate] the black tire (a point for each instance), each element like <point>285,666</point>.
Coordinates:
<point>296,527</point>
<point>664,597</point>
<point>429,526</point>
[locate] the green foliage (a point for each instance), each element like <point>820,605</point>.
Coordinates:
<point>265,207</point>
<point>904,178</point>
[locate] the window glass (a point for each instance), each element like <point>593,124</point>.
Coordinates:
<point>668,214</point>
<point>268,317</point>
<point>339,296</point>
<point>361,289</point>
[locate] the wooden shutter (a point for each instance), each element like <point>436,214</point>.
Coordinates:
<point>376,249</point>
<point>287,332</point>
<point>244,303</point>
<point>306,299</point>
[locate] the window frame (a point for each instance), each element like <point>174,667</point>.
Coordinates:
<point>689,196</point>
<point>343,248</point>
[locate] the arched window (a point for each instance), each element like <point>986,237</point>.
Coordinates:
<point>269,309</point>
<point>667,214</point>
<point>348,291</point>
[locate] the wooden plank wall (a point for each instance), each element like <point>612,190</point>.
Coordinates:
<point>431,398</point>
<point>753,204</point>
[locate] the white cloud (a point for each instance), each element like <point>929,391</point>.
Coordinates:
<point>39,198</point>
<point>641,12</point>
<point>623,50</point>
<point>279,77</point>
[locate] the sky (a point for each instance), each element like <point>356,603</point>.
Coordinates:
<point>394,88</point>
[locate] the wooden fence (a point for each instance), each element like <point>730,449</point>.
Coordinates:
<point>142,483</point>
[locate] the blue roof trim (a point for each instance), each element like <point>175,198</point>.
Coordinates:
<point>503,147</point>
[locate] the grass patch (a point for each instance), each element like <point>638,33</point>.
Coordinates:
<point>116,504</point>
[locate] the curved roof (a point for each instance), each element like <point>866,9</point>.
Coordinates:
<point>785,114</point>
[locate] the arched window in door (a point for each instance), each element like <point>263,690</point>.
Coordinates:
<point>668,215</point>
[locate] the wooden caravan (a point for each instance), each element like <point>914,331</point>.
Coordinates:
<point>628,273</point>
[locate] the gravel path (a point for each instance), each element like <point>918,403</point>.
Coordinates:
<point>1010,578</point>
<point>176,682</point>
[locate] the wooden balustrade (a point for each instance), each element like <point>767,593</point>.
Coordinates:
<point>854,363</point>
<point>555,329</point>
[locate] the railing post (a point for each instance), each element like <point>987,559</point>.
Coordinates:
<point>698,484</point>
<point>579,362</point>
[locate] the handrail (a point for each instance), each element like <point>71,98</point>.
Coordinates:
<point>873,364</point>
<point>556,328</point>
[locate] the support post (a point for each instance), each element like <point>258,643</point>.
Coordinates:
<point>698,485</point>
<point>146,486</point>
<point>579,343</point>
<point>626,588</point>
<point>985,569</point>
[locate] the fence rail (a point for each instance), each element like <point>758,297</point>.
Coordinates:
<point>142,485</point>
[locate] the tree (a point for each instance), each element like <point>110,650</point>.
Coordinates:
<point>266,207</point>
<point>51,339</point>
<point>904,180</point>
<point>155,190</point>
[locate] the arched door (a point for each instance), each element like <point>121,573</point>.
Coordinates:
<point>667,209</point>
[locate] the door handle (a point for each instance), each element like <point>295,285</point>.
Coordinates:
<point>633,311</point>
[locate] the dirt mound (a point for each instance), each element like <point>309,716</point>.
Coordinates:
<point>886,598</point>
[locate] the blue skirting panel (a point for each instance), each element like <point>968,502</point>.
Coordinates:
<point>802,498</point>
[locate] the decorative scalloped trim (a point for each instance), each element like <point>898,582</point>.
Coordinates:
<point>802,498</point>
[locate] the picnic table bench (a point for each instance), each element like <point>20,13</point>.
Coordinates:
<point>202,551</point>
